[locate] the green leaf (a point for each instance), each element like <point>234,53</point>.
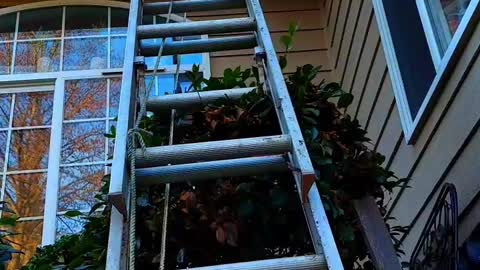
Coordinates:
<point>345,100</point>
<point>73,214</point>
<point>8,221</point>
<point>287,41</point>
<point>283,62</point>
<point>293,28</point>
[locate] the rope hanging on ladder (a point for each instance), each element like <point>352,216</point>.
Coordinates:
<point>136,134</point>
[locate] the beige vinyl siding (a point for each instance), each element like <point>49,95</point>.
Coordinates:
<point>446,148</point>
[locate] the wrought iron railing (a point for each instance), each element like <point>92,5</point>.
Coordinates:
<point>437,248</point>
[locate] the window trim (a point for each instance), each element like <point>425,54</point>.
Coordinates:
<point>412,126</point>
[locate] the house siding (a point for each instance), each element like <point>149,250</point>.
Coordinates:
<point>446,146</point>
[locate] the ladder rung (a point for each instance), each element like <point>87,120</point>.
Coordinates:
<point>200,45</point>
<point>192,100</point>
<point>213,150</point>
<point>196,28</point>
<point>191,6</point>
<point>211,170</point>
<point>312,262</point>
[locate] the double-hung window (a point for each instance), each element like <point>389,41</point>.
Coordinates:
<point>422,40</point>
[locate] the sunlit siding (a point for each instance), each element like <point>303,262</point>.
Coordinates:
<point>445,149</point>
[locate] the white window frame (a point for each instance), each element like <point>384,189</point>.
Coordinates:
<point>443,65</point>
<point>57,80</point>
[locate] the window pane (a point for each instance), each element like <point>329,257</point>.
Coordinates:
<point>166,84</point>
<point>5,102</point>
<point>117,52</point>
<point>83,142</point>
<point>6,53</point>
<point>40,23</point>
<point>115,87</point>
<point>33,109</point>
<point>85,99</point>
<point>3,146</point>
<point>78,187</point>
<point>85,53</point>
<point>29,149</point>
<point>446,16</point>
<point>83,21</point>
<point>37,56</point>
<point>28,237</point>
<point>25,194</point>
<point>69,226</point>
<point>7,26</point>
<point>111,142</point>
<point>119,21</point>
<point>191,59</point>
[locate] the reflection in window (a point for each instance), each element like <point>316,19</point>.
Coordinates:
<point>37,56</point>
<point>86,21</point>
<point>3,146</point>
<point>6,52</point>
<point>119,21</point>
<point>78,187</point>
<point>25,193</point>
<point>5,101</point>
<point>85,99</point>
<point>117,52</point>
<point>7,26</point>
<point>85,53</point>
<point>27,238</point>
<point>69,226</point>
<point>115,87</point>
<point>165,85</point>
<point>40,23</point>
<point>29,149</point>
<point>33,109</point>
<point>83,142</point>
<point>446,16</point>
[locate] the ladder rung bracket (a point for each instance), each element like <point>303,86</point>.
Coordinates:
<point>196,28</point>
<point>191,6</point>
<point>192,100</point>
<point>211,170</point>
<point>313,262</point>
<point>200,45</point>
<point>213,150</point>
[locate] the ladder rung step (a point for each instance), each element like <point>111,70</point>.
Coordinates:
<point>191,6</point>
<point>192,100</point>
<point>200,45</point>
<point>213,150</point>
<point>196,28</point>
<point>313,262</point>
<point>211,170</point>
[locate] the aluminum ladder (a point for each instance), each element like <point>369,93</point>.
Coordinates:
<point>220,158</point>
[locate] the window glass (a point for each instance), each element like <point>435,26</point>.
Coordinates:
<point>7,26</point>
<point>40,23</point>
<point>3,146</point>
<point>119,21</point>
<point>85,53</point>
<point>117,52</point>
<point>6,51</point>
<point>33,109</point>
<point>5,102</point>
<point>78,187</point>
<point>69,226</point>
<point>86,21</point>
<point>26,153</point>
<point>115,87</point>
<point>446,16</point>
<point>37,56</point>
<point>83,142</point>
<point>85,99</point>
<point>27,238</point>
<point>25,194</point>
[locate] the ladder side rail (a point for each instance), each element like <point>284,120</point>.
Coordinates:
<point>119,175</point>
<point>312,203</point>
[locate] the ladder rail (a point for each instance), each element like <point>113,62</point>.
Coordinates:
<point>119,176</point>
<point>319,227</point>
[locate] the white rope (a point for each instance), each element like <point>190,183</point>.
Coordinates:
<point>167,186</point>
<point>135,134</point>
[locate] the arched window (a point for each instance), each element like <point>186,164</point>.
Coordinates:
<point>60,77</point>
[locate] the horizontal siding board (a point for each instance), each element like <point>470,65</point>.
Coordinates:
<point>381,110</point>
<point>343,18</point>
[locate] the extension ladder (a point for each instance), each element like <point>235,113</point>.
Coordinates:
<point>221,158</point>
